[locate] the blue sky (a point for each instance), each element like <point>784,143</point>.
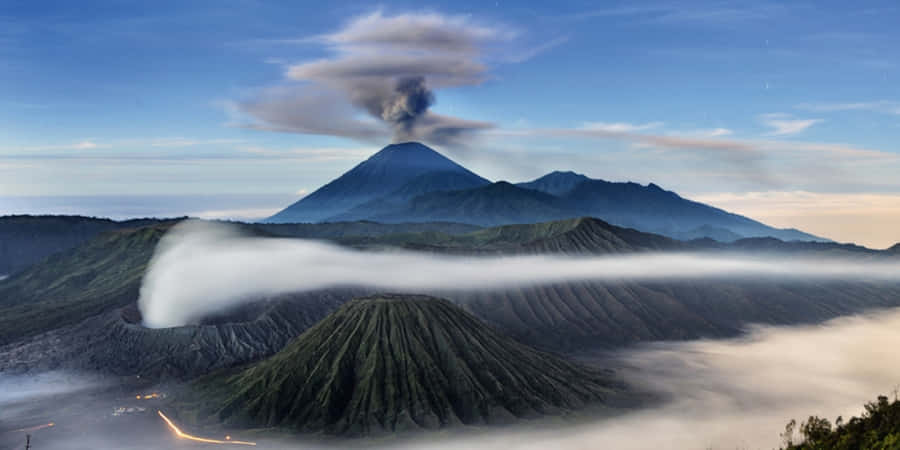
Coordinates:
<point>787,112</point>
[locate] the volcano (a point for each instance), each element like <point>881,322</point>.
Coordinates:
<point>398,170</point>
<point>399,362</point>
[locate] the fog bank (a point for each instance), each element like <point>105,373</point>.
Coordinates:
<point>736,394</point>
<point>722,394</point>
<point>200,268</point>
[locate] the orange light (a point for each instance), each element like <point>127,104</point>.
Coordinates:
<point>34,428</point>
<point>137,397</point>
<point>184,435</point>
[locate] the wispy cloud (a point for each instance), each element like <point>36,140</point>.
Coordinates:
<point>116,144</point>
<point>713,140</point>
<point>87,144</point>
<point>711,133</point>
<point>619,127</point>
<point>527,54</point>
<point>753,163</point>
<point>185,142</point>
<point>783,124</point>
<point>684,13</point>
<point>880,106</point>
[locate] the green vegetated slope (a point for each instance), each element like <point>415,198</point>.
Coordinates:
<point>393,362</point>
<point>878,428</point>
<point>68,287</point>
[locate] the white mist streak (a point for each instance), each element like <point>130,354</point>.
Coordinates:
<point>199,268</point>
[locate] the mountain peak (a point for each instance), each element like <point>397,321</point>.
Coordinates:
<point>380,175</point>
<point>412,155</point>
<point>556,183</point>
<point>566,173</point>
<point>393,362</point>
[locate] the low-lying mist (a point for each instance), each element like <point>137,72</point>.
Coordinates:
<point>738,393</point>
<point>200,268</point>
<point>721,394</point>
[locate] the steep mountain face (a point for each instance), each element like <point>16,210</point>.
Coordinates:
<point>408,168</point>
<point>396,362</point>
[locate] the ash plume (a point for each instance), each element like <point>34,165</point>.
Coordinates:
<point>388,69</point>
<point>410,100</point>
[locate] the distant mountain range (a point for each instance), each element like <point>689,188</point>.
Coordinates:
<point>410,182</point>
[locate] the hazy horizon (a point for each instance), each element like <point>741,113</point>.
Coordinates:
<point>784,113</point>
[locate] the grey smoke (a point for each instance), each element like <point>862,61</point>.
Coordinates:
<point>200,268</point>
<point>410,99</point>
<point>387,68</point>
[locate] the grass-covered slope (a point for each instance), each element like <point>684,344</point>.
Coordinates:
<point>393,362</point>
<point>73,285</point>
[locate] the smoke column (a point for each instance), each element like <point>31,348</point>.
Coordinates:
<point>200,268</point>
<point>411,99</point>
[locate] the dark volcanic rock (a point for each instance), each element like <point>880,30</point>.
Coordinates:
<point>394,362</point>
<point>116,343</point>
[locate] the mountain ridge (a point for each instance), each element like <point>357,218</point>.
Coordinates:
<point>410,182</point>
<point>45,310</point>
